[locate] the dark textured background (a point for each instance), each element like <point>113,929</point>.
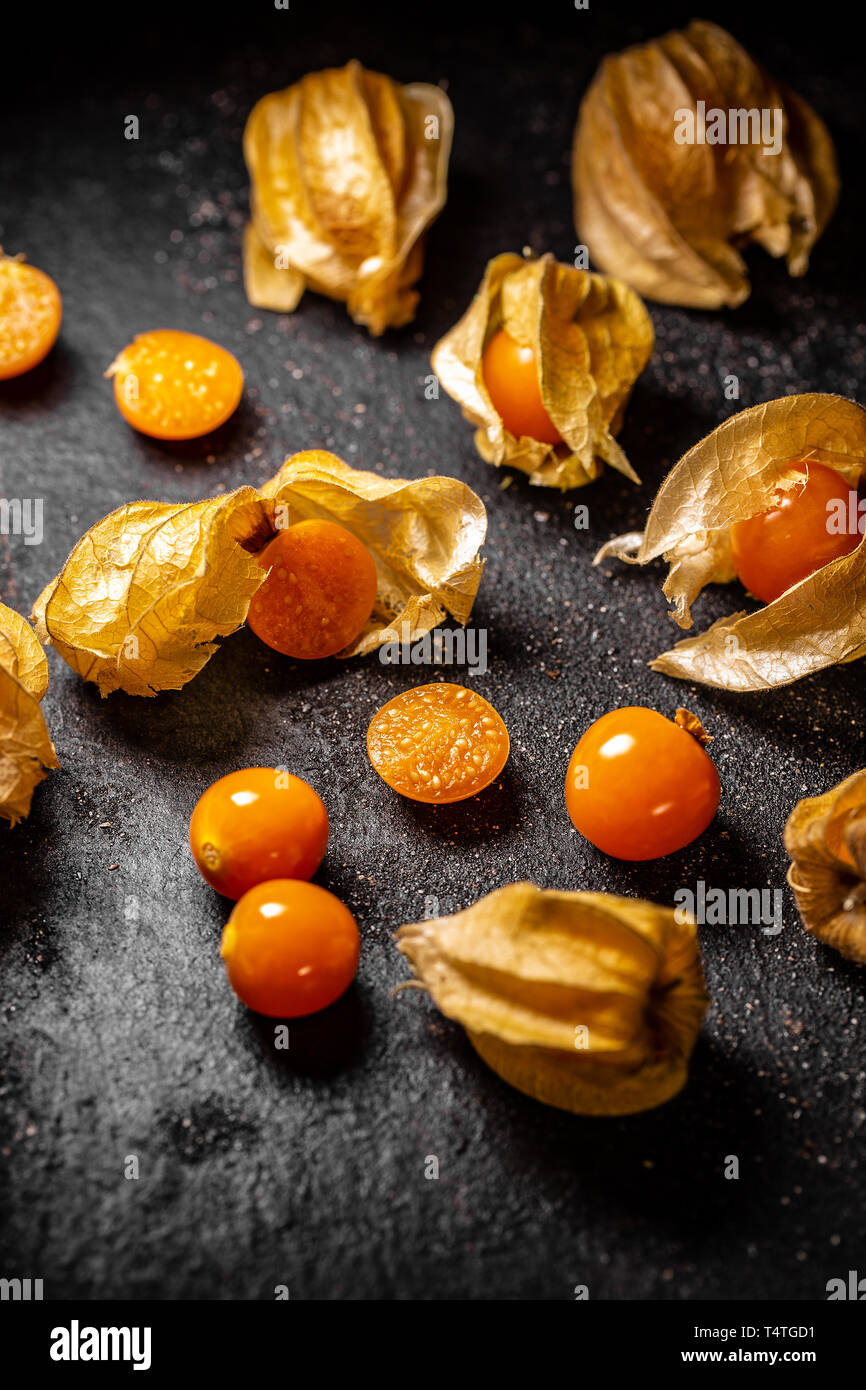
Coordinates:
<point>120,1033</point>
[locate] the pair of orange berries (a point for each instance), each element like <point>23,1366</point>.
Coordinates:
<point>638,785</point>
<point>290,947</point>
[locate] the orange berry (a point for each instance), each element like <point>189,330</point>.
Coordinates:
<point>173,385</point>
<point>256,824</point>
<point>319,593</point>
<point>290,948</point>
<point>795,537</point>
<point>639,786</point>
<point>438,743</point>
<point>30,312</point>
<point>511,377</point>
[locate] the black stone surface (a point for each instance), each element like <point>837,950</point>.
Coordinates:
<point>120,1034</point>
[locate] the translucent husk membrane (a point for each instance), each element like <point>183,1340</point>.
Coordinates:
<point>731,475</point>
<point>670,218</point>
<point>348,170</point>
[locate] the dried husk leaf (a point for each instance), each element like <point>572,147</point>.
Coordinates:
<point>586,1001</point>
<point>729,476</point>
<point>668,218</point>
<point>592,338</point>
<point>825,837</point>
<point>26,750</point>
<point>21,652</point>
<point>146,591</point>
<point>347,175</point>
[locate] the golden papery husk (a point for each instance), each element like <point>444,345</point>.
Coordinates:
<point>825,837</point>
<point>26,750</point>
<point>592,338</point>
<point>670,218</point>
<point>348,170</point>
<point>145,592</point>
<point>587,1002</point>
<point>729,476</point>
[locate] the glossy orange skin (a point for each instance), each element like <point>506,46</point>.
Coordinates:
<point>173,385</point>
<point>319,593</point>
<point>30,313</point>
<point>640,787</point>
<point>290,948</point>
<point>257,824</point>
<point>438,743</point>
<point>511,376</point>
<point>779,547</point>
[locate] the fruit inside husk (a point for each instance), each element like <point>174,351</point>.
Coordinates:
<point>589,337</point>
<point>588,1002</point>
<point>730,477</point>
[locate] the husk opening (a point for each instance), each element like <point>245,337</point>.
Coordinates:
<point>591,336</point>
<point>729,476</point>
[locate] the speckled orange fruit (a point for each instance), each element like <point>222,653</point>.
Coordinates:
<point>438,743</point>
<point>319,593</point>
<point>173,385</point>
<point>30,312</point>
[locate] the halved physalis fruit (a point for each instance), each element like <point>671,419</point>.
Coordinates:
<point>319,593</point>
<point>30,312</point>
<point>806,528</point>
<point>438,743</point>
<point>173,385</point>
